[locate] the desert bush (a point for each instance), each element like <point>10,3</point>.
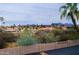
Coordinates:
<point>2,43</point>
<point>46,37</point>
<point>57,32</point>
<point>70,29</point>
<point>8,36</point>
<point>26,39</point>
<point>1,30</point>
<point>69,36</point>
<point>56,35</point>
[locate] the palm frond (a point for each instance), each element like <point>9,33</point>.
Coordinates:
<point>62,7</point>
<point>63,14</point>
<point>69,4</point>
<point>68,9</point>
<point>75,4</point>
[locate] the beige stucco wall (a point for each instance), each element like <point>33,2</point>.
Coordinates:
<point>38,47</point>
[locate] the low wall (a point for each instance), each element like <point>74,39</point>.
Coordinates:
<point>38,47</point>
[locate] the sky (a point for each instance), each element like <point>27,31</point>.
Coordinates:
<point>31,13</point>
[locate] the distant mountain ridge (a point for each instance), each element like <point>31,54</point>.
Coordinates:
<point>61,24</point>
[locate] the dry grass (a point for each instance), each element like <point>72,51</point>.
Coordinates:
<point>11,45</point>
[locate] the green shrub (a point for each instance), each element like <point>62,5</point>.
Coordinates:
<point>26,41</point>
<point>26,38</point>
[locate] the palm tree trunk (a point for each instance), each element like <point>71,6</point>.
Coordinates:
<point>74,22</point>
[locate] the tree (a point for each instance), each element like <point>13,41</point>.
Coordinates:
<point>13,26</point>
<point>70,11</point>
<point>2,20</point>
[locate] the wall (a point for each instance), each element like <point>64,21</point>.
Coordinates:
<point>38,47</point>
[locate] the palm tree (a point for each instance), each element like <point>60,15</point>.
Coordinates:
<point>70,10</point>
